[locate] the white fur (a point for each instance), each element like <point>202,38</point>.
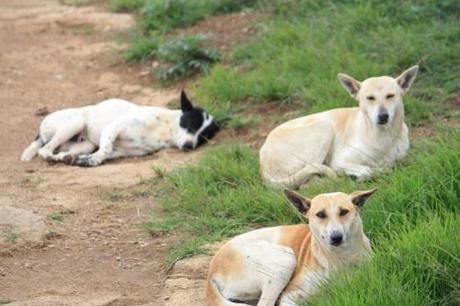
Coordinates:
<point>341,141</point>
<point>116,127</point>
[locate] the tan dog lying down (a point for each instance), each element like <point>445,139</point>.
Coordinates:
<point>357,141</point>
<point>286,263</point>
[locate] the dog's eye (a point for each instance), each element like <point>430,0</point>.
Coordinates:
<point>371,98</point>
<point>321,215</point>
<point>389,96</point>
<point>343,212</point>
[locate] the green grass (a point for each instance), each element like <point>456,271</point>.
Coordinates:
<point>56,216</point>
<point>4,301</point>
<point>126,5</point>
<point>223,195</point>
<point>302,47</point>
<point>12,237</point>
<point>164,15</point>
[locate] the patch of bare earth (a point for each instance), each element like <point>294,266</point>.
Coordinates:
<point>94,252</point>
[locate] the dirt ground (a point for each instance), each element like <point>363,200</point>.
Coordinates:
<point>54,56</point>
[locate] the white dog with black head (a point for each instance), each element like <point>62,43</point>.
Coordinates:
<point>87,136</point>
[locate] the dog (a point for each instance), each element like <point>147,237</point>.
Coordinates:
<point>113,128</point>
<point>286,264</point>
<point>357,141</point>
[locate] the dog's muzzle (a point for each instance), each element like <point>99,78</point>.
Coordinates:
<point>336,239</point>
<point>383,118</point>
<point>188,146</point>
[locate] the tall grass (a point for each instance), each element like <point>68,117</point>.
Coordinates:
<point>300,50</point>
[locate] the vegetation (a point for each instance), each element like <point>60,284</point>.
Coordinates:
<point>300,48</point>
<point>410,220</point>
<point>56,216</point>
<point>126,5</point>
<point>304,44</point>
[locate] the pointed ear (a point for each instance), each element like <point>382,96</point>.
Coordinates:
<point>185,104</point>
<point>350,84</point>
<point>360,197</point>
<point>301,203</point>
<point>406,78</point>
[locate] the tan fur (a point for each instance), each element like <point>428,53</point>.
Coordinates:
<point>356,141</point>
<point>288,262</point>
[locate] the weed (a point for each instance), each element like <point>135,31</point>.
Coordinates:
<point>184,56</point>
<point>187,249</point>
<point>56,216</point>
<point>112,196</point>
<point>141,48</point>
<point>12,237</point>
<point>4,301</point>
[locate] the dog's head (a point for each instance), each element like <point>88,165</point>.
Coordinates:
<point>196,126</point>
<point>333,217</point>
<point>380,98</point>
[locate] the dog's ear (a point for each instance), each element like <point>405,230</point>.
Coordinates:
<point>350,84</point>
<point>360,197</point>
<point>185,104</point>
<point>301,203</point>
<point>406,78</point>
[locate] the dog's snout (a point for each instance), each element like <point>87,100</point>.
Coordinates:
<point>383,117</point>
<point>336,239</point>
<point>188,146</point>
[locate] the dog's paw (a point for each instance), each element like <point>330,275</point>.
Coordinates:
<point>84,161</point>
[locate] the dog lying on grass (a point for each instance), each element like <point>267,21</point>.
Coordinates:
<point>117,128</point>
<point>287,263</point>
<point>356,141</point>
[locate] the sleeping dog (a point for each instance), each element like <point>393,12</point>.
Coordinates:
<point>286,264</point>
<point>89,135</point>
<point>355,141</point>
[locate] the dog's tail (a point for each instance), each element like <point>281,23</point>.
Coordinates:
<point>300,177</point>
<point>32,149</point>
<point>214,296</point>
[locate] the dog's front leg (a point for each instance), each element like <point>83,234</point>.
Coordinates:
<point>106,148</point>
<point>360,172</point>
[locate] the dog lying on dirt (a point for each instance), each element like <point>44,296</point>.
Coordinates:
<point>287,263</point>
<point>117,128</point>
<point>356,141</point>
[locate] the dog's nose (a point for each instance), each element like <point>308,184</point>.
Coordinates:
<point>188,146</point>
<point>383,118</point>
<point>336,239</point>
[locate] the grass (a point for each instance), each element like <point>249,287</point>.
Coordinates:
<point>12,237</point>
<point>164,15</point>
<point>4,301</point>
<point>126,5</point>
<point>304,44</point>
<point>84,29</point>
<point>417,202</point>
<point>112,196</point>
<point>56,216</point>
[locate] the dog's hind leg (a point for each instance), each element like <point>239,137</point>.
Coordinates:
<point>76,149</point>
<point>300,177</point>
<point>61,136</point>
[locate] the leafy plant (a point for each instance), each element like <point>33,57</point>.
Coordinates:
<point>184,56</point>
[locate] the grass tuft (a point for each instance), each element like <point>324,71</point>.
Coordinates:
<point>126,5</point>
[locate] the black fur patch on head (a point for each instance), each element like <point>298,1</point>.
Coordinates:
<point>208,133</point>
<point>192,120</point>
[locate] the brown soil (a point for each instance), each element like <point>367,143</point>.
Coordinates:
<point>54,56</point>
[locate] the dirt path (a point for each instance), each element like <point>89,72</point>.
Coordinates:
<point>54,56</point>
